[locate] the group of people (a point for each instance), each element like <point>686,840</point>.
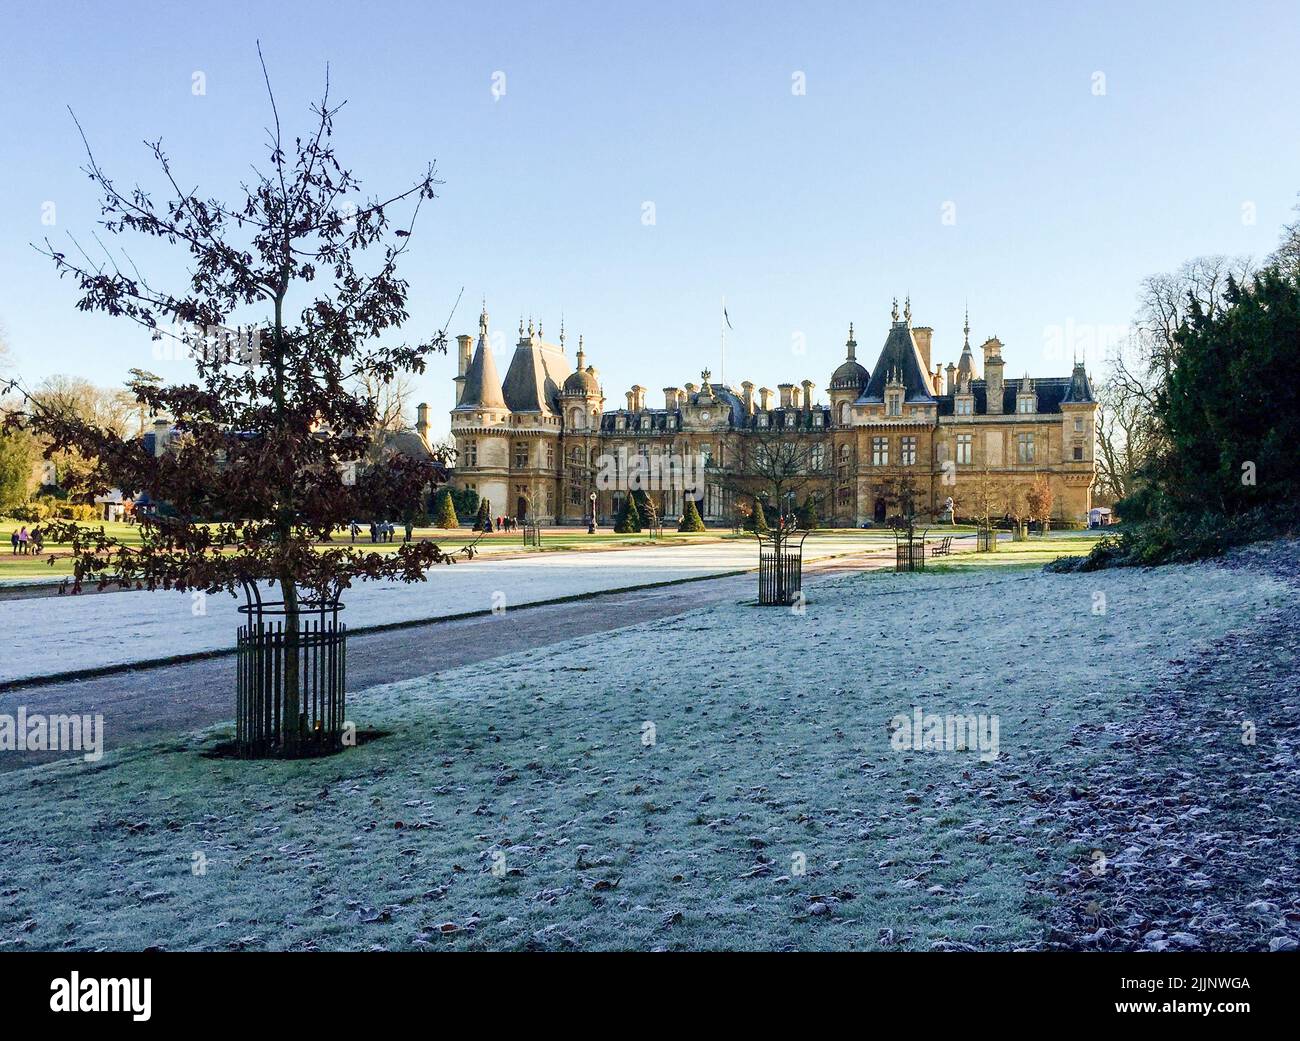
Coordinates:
<point>24,541</point>
<point>380,531</point>
<point>507,524</point>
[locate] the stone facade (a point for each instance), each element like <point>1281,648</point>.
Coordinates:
<point>537,442</point>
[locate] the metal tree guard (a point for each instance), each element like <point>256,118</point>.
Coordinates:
<point>909,550</point>
<point>780,570</point>
<point>261,677</point>
<point>986,539</point>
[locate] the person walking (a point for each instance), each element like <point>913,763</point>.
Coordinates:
<point>13,539</point>
<point>22,540</point>
<point>38,539</point>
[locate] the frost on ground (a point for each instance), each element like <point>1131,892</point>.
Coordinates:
<point>519,803</point>
<point>1188,827</point>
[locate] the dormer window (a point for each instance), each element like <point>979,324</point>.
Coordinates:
<point>817,419</point>
<point>894,403</point>
<point>1028,404</point>
<point>762,420</point>
<point>965,406</point>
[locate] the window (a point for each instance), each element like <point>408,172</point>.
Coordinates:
<point>843,496</point>
<point>575,495</point>
<point>817,419</point>
<point>843,471</point>
<point>895,404</point>
<point>908,454</point>
<point>1025,448</point>
<point>550,456</point>
<point>817,456</point>
<point>880,451</point>
<point>471,453</point>
<point>965,406</point>
<point>576,418</point>
<point>521,454</point>
<point>706,452</point>
<point>1078,453</point>
<point>846,414</point>
<point>1078,424</point>
<point>1028,405</point>
<point>963,448</point>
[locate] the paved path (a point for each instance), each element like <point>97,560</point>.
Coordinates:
<point>155,703</point>
<point>93,632</point>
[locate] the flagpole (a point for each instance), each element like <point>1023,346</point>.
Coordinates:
<point>723,326</point>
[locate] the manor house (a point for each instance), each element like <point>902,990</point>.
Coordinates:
<point>534,442</point>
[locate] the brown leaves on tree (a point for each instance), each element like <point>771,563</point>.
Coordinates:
<point>265,443</point>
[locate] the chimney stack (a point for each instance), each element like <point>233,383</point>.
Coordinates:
<point>162,432</point>
<point>747,395</point>
<point>787,392</point>
<point>922,334</point>
<point>993,367</point>
<point>764,398</point>
<point>631,400</point>
<point>670,398</point>
<point>422,420</point>
<point>951,373</point>
<point>807,395</point>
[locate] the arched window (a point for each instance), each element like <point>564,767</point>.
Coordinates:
<point>846,414</point>
<point>576,416</point>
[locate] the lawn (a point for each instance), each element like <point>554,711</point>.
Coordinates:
<point>1034,552</point>
<point>16,569</point>
<point>723,778</point>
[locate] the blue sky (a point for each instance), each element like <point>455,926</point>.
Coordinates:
<point>806,211</point>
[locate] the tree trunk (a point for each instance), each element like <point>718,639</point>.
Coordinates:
<point>289,717</point>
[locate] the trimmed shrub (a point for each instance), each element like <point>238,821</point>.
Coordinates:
<point>691,519</point>
<point>629,518</point>
<point>444,511</point>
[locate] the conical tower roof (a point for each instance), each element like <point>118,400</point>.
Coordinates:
<point>482,384</point>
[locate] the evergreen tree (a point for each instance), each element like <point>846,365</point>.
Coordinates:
<point>444,511</point>
<point>629,518</point>
<point>691,520</point>
<point>17,454</point>
<point>808,518</point>
<point>484,517</point>
<point>758,520</point>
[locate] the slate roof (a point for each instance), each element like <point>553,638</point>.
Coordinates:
<point>1051,392</point>
<point>900,354</point>
<point>482,384</point>
<point>536,374</point>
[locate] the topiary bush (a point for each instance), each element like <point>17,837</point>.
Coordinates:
<point>691,519</point>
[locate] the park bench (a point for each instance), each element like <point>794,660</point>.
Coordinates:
<point>944,548</point>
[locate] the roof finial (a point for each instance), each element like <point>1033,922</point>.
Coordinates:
<point>894,311</point>
<point>852,344</point>
<point>907,309</point>
<point>521,325</point>
<point>561,328</point>
<point>580,352</point>
<point>483,320</point>
<point>966,330</point>
<point>530,327</point>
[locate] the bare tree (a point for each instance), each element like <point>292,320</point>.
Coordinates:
<point>391,399</point>
<point>1287,256</point>
<point>776,467</point>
